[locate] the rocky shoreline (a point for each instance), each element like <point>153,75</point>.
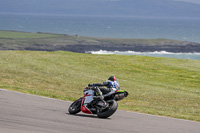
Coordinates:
<point>84,48</point>
<point>136,48</point>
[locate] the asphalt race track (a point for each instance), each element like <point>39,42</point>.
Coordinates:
<point>24,113</point>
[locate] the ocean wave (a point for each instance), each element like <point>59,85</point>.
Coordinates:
<point>193,56</point>
<point>134,52</point>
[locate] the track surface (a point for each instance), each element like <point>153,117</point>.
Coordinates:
<point>24,113</point>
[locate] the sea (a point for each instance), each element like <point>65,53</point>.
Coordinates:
<point>188,56</point>
<point>186,29</point>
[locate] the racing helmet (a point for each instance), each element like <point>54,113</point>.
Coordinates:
<point>112,78</point>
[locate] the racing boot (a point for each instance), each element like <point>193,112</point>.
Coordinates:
<point>99,95</point>
<point>98,98</point>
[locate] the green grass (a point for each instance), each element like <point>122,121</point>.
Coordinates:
<point>160,86</point>
<point>27,35</point>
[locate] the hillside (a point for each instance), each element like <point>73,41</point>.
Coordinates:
<point>10,40</point>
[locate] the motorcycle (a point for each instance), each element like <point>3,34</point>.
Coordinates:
<point>90,105</point>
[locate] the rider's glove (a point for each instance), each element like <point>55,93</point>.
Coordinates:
<point>90,85</point>
<point>93,87</point>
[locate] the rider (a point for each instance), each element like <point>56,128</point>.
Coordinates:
<point>110,83</point>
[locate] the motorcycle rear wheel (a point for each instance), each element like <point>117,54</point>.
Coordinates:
<point>75,107</point>
<point>105,113</point>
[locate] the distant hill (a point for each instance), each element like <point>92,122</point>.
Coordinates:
<point>147,8</point>
<point>191,1</point>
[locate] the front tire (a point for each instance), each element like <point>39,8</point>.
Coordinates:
<point>108,111</point>
<point>75,107</point>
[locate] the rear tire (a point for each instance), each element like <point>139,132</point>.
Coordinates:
<point>75,107</point>
<point>108,111</point>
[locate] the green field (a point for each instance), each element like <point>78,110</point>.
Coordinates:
<point>27,35</point>
<point>160,86</point>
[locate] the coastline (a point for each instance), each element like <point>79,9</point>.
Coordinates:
<point>189,48</point>
<point>14,40</point>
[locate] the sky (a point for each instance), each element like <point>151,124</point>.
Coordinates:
<point>155,8</point>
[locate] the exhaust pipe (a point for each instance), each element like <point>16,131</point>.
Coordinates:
<point>121,95</point>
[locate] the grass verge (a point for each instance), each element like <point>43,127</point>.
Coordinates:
<point>159,86</point>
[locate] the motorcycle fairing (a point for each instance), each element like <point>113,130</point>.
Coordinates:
<point>111,92</point>
<point>87,98</point>
<point>85,110</point>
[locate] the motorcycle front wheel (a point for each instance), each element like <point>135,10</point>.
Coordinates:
<point>110,110</point>
<point>75,107</point>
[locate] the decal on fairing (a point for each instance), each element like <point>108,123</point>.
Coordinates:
<point>85,110</point>
<point>119,91</point>
<point>83,105</point>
